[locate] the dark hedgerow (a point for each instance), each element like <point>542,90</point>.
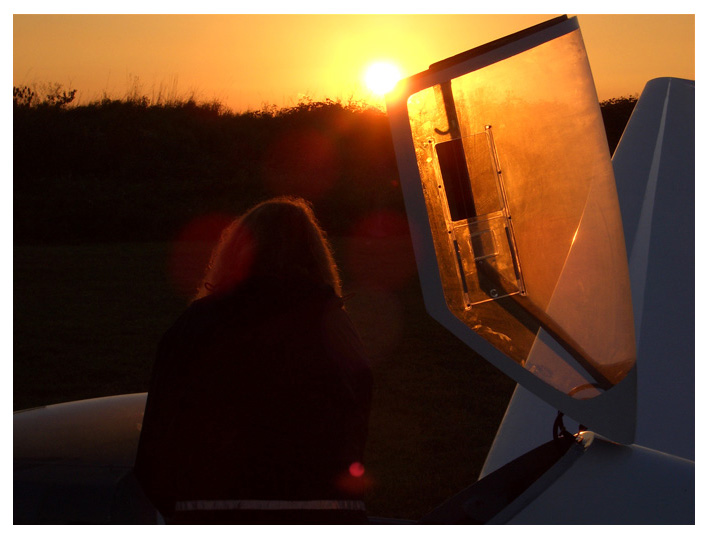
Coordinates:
<point>131,170</point>
<point>616,112</point>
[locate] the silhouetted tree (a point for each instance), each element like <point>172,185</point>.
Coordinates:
<point>616,113</point>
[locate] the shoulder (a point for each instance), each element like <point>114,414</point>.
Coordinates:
<point>341,337</point>
<point>198,313</point>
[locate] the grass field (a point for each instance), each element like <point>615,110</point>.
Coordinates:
<point>87,319</point>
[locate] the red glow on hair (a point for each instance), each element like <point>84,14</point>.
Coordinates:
<point>191,249</point>
<point>356,469</point>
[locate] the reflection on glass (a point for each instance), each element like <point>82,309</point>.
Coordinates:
<point>521,200</point>
<point>478,220</point>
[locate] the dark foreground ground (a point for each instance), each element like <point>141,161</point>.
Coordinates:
<point>87,319</point>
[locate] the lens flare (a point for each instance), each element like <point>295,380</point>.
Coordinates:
<point>356,469</point>
<point>301,162</point>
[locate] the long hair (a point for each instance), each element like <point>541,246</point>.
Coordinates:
<point>279,239</point>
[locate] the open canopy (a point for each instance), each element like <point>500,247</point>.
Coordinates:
<point>514,216</point>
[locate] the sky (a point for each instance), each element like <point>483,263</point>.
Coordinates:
<point>249,61</point>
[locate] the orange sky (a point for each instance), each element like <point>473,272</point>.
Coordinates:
<point>246,61</point>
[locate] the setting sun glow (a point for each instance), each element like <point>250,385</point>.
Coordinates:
<point>247,62</point>
<point>381,77</point>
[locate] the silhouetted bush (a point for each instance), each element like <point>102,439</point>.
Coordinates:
<point>131,170</point>
<point>123,170</point>
<point>53,96</point>
<point>616,112</point>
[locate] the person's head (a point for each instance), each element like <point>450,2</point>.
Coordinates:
<point>279,239</point>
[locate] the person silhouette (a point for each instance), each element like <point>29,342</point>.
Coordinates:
<point>259,399</point>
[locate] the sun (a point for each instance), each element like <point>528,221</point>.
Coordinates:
<point>381,77</point>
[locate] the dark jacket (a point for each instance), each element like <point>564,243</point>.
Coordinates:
<point>262,393</point>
